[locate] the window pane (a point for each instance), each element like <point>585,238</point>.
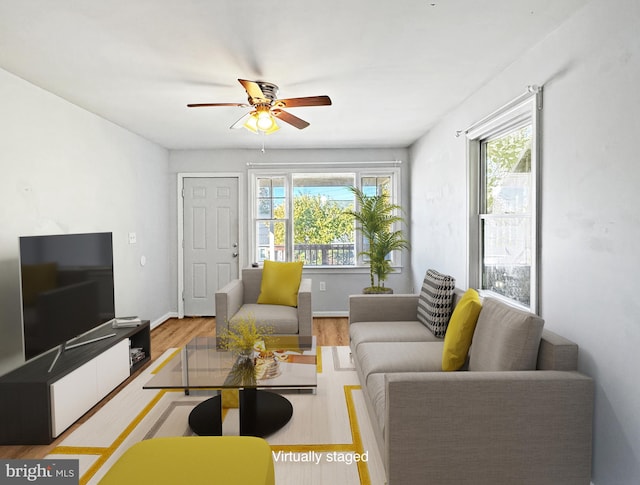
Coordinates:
<point>376,185</point>
<point>271,197</point>
<point>507,172</point>
<point>322,233</point>
<point>506,261</point>
<point>264,209</point>
<point>270,187</point>
<point>371,187</point>
<point>264,187</point>
<point>271,240</point>
<point>279,208</point>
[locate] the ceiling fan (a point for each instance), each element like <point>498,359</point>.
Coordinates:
<point>267,107</point>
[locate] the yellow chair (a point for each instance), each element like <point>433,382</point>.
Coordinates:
<point>194,460</point>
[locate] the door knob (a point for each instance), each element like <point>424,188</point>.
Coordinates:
<point>235,255</point>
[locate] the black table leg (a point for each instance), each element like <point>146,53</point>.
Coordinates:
<point>206,418</point>
<point>248,412</point>
<point>261,413</point>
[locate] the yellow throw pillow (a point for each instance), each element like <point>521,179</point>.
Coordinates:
<point>280,283</point>
<point>460,331</point>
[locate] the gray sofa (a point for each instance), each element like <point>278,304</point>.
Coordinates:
<point>238,300</point>
<point>471,426</point>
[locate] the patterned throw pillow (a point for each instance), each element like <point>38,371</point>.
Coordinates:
<point>434,304</point>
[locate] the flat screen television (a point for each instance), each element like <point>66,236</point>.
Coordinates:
<point>67,288</point>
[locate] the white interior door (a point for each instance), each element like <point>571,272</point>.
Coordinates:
<point>210,229</point>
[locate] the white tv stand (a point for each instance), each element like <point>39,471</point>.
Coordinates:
<point>37,405</point>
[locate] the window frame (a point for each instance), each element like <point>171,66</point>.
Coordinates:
<point>359,172</point>
<point>522,111</point>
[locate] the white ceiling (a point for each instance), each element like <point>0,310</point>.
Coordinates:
<point>391,67</point>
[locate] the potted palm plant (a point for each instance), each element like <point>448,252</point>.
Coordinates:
<point>375,216</point>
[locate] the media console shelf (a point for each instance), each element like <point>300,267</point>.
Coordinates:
<point>37,405</point>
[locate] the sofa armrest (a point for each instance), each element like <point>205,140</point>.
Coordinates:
<point>372,308</point>
<point>488,427</point>
<point>229,299</point>
<point>556,352</point>
<point>305,312</point>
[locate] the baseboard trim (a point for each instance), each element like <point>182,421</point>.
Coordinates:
<point>331,314</point>
<point>159,321</point>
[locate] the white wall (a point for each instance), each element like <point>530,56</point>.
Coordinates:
<point>65,170</point>
<point>590,68</point>
<point>334,300</point>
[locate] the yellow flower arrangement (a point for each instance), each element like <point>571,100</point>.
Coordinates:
<point>245,336</point>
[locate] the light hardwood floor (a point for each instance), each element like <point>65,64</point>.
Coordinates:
<point>171,334</point>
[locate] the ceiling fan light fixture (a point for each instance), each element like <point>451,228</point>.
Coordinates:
<point>274,127</point>
<point>252,122</point>
<point>265,121</point>
<point>261,121</point>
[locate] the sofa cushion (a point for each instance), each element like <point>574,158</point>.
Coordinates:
<point>402,331</point>
<point>280,283</point>
<point>279,318</point>
<point>460,331</point>
<point>434,304</point>
<point>506,338</point>
<point>380,357</point>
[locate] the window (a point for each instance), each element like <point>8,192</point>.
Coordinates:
<point>504,169</point>
<point>300,216</point>
<point>271,218</point>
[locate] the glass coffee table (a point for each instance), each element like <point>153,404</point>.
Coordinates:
<point>288,363</point>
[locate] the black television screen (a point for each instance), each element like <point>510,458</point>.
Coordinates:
<point>67,287</point>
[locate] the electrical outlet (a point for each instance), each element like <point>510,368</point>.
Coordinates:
<point>132,238</point>
<point>323,286</point>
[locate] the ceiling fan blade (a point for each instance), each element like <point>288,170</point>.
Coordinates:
<point>289,118</point>
<point>203,105</point>
<point>308,101</point>
<point>253,89</point>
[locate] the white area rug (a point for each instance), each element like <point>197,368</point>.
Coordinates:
<point>319,445</point>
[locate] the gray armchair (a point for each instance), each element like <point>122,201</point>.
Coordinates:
<point>237,300</point>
